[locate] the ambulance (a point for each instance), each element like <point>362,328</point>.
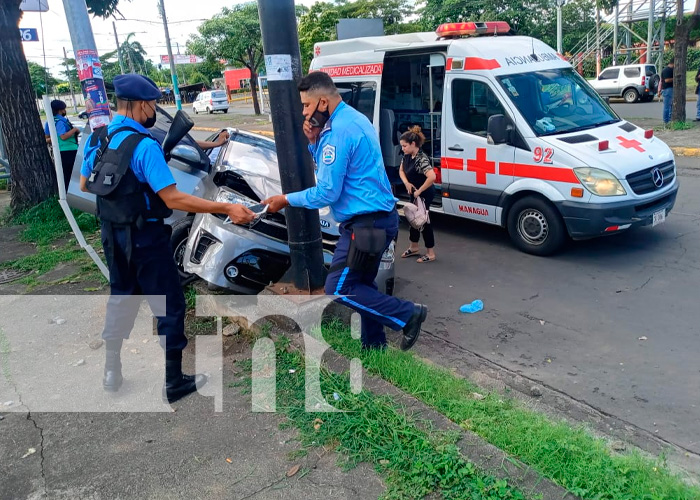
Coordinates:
<point>516,136</point>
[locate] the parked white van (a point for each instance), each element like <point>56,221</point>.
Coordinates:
<point>210,101</point>
<point>517,137</point>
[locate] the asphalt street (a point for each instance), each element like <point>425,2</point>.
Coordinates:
<point>652,109</point>
<point>574,321</point>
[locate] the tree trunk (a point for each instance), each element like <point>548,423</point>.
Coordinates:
<point>254,90</point>
<point>680,58</point>
<point>131,62</point>
<point>33,174</point>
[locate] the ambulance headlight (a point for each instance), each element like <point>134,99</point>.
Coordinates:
<point>599,182</point>
<point>226,196</point>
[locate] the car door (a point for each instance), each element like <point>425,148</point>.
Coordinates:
<point>609,82</point>
<point>472,183</point>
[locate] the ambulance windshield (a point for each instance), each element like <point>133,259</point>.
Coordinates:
<point>557,101</point>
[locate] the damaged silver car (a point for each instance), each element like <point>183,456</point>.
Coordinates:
<point>246,259</point>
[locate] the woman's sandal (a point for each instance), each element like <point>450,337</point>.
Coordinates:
<point>425,258</point>
<point>409,253</point>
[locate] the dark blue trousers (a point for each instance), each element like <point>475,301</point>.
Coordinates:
<point>359,289</point>
<point>141,263</point>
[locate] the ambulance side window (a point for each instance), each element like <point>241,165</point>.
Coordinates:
<point>359,95</point>
<point>472,104</point>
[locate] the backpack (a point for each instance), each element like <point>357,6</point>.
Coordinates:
<point>416,213</point>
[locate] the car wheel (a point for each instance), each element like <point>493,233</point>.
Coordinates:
<point>178,242</point>
<point>654,83</point>
<point>209,111</point>
<point>225,111</point>
<point>194,110</point>
<point>631,96</point>
<point>536,227</point>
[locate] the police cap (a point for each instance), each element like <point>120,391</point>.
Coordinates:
<point>133,87</point>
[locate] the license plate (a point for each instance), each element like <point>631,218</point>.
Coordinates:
<point>659,217</point>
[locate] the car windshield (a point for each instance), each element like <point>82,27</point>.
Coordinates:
<point>557,101</point>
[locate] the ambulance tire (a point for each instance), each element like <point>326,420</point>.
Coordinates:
<point>535,226</point>
<point>178,242</point>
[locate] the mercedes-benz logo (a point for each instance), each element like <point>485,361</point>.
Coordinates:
<point>657,177</point>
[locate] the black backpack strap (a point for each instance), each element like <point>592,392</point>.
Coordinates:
<point>97,136</point>
<point>105,138</point>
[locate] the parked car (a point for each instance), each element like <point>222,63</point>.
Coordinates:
<point>210,101</point>
<point>245,171</point>
<point>247,259</point>
<point>634,82</point>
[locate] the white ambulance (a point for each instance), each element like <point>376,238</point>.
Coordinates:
<point>517,137</point>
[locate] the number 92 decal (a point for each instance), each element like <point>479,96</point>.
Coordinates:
<point>543,155</point>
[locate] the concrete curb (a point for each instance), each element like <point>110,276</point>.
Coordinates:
<point>681,151</point>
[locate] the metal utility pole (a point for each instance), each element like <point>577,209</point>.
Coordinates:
<point>650,32</point>
<point>283,64</point>
<point>119,47</point>
<point>87,62</point>
<point>616,27</point>
<point>176,90</point>
<point>560,4</point>
<point>70,81</point>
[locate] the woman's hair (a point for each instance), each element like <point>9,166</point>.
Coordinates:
<point>412,135</point>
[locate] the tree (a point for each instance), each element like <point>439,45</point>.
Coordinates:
<point>33,175</point>
<point>134,53</point>
<point>42,79</point>
<point>684,25</point>
<point>318,23</point>
<point>233,35</point>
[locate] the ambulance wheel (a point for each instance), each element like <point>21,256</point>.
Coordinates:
<point>178,242</point>
<point>631,96</point>
<point>535,226</point>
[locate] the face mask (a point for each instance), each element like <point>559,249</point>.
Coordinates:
<point>319,118</point>
<point>151,120</point>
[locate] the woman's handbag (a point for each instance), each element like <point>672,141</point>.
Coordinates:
<point>416,213</point>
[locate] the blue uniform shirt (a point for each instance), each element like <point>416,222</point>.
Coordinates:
<point>62,125</point>
<point>350,174</point>
<point>148,162</point>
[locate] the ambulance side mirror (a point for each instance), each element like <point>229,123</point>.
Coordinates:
<point>499,129</point>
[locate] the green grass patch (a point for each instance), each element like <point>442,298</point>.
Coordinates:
<point>681,125</point>
<point>376,430</point>
<point>570,456</point>
<point>3,184</point>
<point>46,222</point>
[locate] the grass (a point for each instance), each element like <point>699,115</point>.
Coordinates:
<point>373,429</point>
<point>45,225</point>
<point>570,456</point>
<point>3,184</point>
<point>681,125</point>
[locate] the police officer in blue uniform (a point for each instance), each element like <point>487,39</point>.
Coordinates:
<point>352,181</point>
<point>126,168</point>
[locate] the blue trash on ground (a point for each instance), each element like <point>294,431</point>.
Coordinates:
<point>475,306</point>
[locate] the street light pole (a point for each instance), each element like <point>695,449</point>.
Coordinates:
<point>176,90</point>
<point>283,64</point>
<point>560,4</point>
<point>119,47</point>
<point>70,81</point>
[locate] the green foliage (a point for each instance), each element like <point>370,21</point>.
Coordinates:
<point>233,35</point>
<point>318,23</point>
<point>41,77</point>
<point>102,8</point>
<point>46,222</point>
<point>133,55</point>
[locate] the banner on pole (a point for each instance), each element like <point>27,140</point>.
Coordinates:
<point>182,59</point>
<point>93,85</point>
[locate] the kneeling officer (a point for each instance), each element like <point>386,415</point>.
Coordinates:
<point>126,168</point>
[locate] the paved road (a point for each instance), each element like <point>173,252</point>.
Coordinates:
<point>649,109</point>
<point>573,321</point>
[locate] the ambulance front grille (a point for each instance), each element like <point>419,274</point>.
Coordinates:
<point>642,181</point>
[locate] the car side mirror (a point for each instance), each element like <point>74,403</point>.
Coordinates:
<point>499,129</point>
<point>186,154</point>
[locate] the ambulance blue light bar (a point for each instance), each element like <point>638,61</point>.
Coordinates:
<point>473,29</point>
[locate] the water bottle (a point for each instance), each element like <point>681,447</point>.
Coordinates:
<point>475,306</point>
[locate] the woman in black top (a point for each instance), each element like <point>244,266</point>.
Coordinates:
<point>416,170</point>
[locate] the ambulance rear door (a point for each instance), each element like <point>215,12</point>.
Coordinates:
<point>473,184</point>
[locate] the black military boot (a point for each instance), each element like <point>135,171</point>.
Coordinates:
<point>177,384</point>
<point>113,379</point>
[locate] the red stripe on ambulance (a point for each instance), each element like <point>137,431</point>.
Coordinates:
<point>537,172</point>
<point>452,163</point>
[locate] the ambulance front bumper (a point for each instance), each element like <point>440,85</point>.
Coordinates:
<point>588,220</point>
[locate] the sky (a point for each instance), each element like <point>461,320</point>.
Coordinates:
<point>184,16</point>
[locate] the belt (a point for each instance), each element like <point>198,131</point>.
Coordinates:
<point>369,217</point>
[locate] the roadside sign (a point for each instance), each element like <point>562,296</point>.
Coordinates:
<point>182,59</point>
<point>34,6</point>
<point>29,34</point>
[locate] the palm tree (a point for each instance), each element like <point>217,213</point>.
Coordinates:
<point>134,53</point>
